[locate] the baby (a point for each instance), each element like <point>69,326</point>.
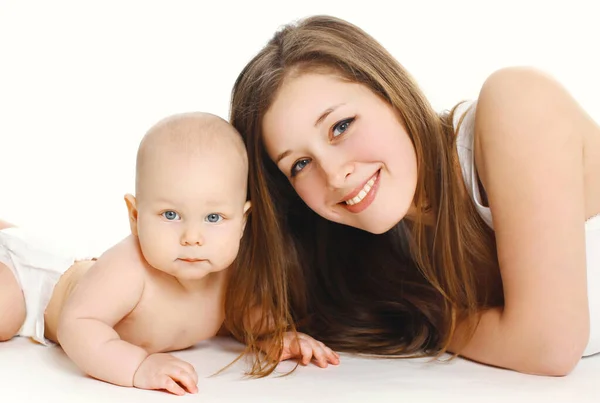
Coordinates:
<point>160,289</point>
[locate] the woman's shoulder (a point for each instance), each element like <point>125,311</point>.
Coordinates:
<point>519,78</point>
<point>504,93</point>
<point>518,109</point>
<point>515,106</point>
<point>517,93</point>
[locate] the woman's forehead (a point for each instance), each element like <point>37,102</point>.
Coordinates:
<point>307,96</point>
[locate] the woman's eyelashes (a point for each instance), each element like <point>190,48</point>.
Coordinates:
<point>299,166</point>
<point>340,127</point>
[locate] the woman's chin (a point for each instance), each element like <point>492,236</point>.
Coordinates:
<point>376,227</point>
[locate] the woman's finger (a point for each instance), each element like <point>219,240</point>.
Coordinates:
<point>319,354</point>
<point>332,356</point>
<point>306,352</point>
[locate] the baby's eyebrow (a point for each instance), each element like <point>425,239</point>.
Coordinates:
<point>215,202</point>
<point>163,200</point>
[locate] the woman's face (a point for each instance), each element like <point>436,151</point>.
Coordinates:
<point>344,150</point>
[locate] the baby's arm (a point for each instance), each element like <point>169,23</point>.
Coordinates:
<point>107,293</point>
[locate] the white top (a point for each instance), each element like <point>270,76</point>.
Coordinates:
<point>464,144</point>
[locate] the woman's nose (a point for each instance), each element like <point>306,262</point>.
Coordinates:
<point>337,173</point>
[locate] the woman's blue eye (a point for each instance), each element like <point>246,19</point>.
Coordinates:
<point>299,166</point>
<point>341,127</point>
<point>171,215</point>
<point>213,218</point>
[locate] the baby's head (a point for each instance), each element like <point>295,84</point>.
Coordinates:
<point>190,204</point>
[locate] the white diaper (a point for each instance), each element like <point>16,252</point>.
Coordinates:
<point>37,263</point>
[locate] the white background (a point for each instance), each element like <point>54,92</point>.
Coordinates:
<point>81,81</point>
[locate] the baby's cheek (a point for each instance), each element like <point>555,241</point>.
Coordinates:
<point>229,249</point>
<point>155,246</point>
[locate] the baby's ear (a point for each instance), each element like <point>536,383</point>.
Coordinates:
<point>247,211</point>
<point>133,213</point>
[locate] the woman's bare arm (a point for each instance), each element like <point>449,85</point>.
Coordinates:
<point>529,153</point>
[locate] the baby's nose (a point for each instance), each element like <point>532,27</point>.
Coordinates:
<point>192,237</point>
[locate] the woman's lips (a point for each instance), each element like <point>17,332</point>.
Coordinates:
<point>365,200</point>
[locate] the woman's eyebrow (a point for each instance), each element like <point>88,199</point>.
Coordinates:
<point>282,156</point>
<point>317,122</point>
<point>326,113</point>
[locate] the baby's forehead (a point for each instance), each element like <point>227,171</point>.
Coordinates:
<point>222,160</point>
<point>212,172</point>
<point>190,200</point>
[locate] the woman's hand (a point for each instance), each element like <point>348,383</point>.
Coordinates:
<point>307,349</point>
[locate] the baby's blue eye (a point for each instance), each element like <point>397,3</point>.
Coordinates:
<point>299,166</point>
<point>171,215</point>
<point>341,127</point>
<point>213,218</point>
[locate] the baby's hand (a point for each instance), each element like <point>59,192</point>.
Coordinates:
<point>305,348</point>
<point>164,371</point>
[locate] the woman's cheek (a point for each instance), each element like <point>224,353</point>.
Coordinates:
<point>309,191</point>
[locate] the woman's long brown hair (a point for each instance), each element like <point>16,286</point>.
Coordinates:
<point>399,293</point>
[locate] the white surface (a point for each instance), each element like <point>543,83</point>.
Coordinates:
<point>33,373</point>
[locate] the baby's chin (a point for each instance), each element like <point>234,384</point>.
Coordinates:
<point>198,273</point>
<point>192,276</point>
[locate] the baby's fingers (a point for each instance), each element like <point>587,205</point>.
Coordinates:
<point>184,378</point>
<point>189,369</point>
<point>171,386</point>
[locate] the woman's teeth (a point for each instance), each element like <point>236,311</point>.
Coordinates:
<point>361,195</point>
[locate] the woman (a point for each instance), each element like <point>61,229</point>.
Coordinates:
<point>379,211</point>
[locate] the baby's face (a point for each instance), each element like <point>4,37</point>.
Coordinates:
<point>191,212</point>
